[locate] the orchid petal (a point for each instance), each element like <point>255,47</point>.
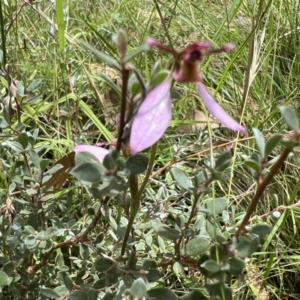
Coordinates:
<point>152,42</point>
<point>217,111</point>
<point>98,152</point>
<point>185,55</point>
<point>152,118</point>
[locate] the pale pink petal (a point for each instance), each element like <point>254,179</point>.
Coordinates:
<point>228,47</point>
<point>152,42</point>
<point>98,152</point>
<point>217,111</point>
<point>152,118</point>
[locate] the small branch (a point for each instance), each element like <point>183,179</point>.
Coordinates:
<point>134,208</point>
<point>163,23</point>
<point>125,78</point>
<point>192,215</point>
<point>80,237</point>
<point>260,189</point>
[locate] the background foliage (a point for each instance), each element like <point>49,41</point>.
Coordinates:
<point>56,94</point>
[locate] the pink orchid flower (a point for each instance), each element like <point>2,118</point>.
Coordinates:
<point>187,71</point>
<point>98,151</point>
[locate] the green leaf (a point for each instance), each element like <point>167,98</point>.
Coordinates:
<point>92,294</point>
<point>196,246</point>
<point>8,268</point>
<point>215,206</point>
<point>109,296</point>
<point>157,67</point>
<point>100,284</point>
<point>290,144</point>
<point>237,266</point>
<point>181,179</point>
<point>271,144</point>
<point>112,84</point>
<point>260,141</point>
<point>261,229</point>
<point>85,157</point>
<point>49,293</point>
<point>162,294</point>
<point>134,85</point>
<point>159,78</point>
<point>211,266</point>
<point>168,233</point>
<point>252,164</point>
<point>178,268</point>
<point>219,289</point>
<point>102,264</point>
<point>140,49</point>
<point>88,172</point>
<point>290,117</point>
<point>223,161</point>
<point>109,161</point>
<point>112,275</point>
<point>6,116</point>
<point>180,221</point>
<point>16,146</point>
<point>33,85</point>
<point>215,232</point>
<point>68,283</point>
<point>36,160</point>
<point>78,295</point>
<point>194,295</point>
<point>3,279</point>
<point>23,139</point>
<point>218,252</point>
<point>111,185</point>
<point>110,61</point>
<point>136,164</point>
<point>139,288</point>
<point>246,246</point>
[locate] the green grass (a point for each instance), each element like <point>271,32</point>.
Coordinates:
<point>261,74</point>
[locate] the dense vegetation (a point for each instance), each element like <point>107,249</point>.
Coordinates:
<point>217,212</point>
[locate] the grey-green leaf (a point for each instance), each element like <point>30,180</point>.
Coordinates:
<point>181,179</point>
<point>211,266</point>
<point>214,232</point>
<point>219,289</point>
<point>261,229</point>
<point>215,206</point>
<point>136,164</point>
<point>142,48</point>
<point>102,264</point>
<point>3,279</point>
<point>68,283</point>
<point>78,295</point>
<point>139,288</point>
<point>260,141</point>
<point>223,161</point>
<point>237,266</point>
<point>217,252</point>
<point>271,144</point>
<point>34,84</point>
<point>162,294</point>
<point>246,247</point>
<point>88,172</point>
<point>194,295</point>
<point>49,293</point>
<point>110,61</point>
<point>168,233</point>
<point>23,139</point>
<point>290,117</point>
<point>196,246</point>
